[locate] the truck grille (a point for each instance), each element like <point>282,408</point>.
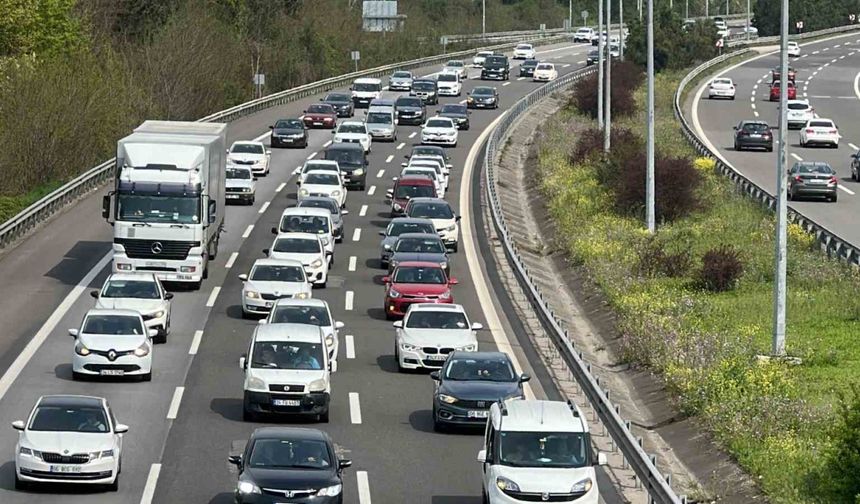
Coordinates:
<point>156,249</point>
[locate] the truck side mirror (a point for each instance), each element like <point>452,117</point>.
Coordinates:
<point>213,207</point>
<point>106,207</point>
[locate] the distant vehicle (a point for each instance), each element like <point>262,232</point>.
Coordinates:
<point>583,34</point>
<point>430,332</point>
<point>406,188</point>
<point>424,171</point>
<point>478,60</point>
<point>820,132</point>
<point>794,49</point>
<point>439,131</point>
<point>364,90</point>
<point>855,166</point>
<point>449,84</point>
<point>397,227</point>
<point>240,185</point>
<point>775,90</point>
<point>316,221</point>
<point>496,67</point>
<point>595,41</point>
<point>342,103</point>
<point>483,97</point>
<point>288,133</point>
<point>524,51</point>
<point>425,89</point>
<point>777,72</point>
<point>382,123</point>
<point>812,178</point>
<point>592,57</point>
<point>112,343</point>
<point>400,80</point>
<point>457,113</point>
<point>320,115</point>
<point>270,280</point>
<point>141,292</point>
<point>753,134</point>
<point>720,24</point>
<point>248,153</point>
<point>527,67</point>
<point>332,206</point>
<point>419,247</point>
<point>721,87</point>
<point>545,72</point>
<point>410,110</point>
<point>415,282</point>
<point>310,311</point>
<point>799,113</point>
<point>352,132</point>
<point>456,66</point>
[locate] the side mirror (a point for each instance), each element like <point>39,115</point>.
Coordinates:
<point>274,230</point>
<point>386,279</point>
<point>339,325</point>
<point>120,428</point>
<point>389,193</point>
<point>435,376</point>
<point>272,127</point>
<point>236,460</point>
<point>477,326</point>
<point>398,324</point>
<point>168,296</point>
<point>382,233</point>
<point>262,321</point>
<point>404,164</point>
<point>297,171</point>
<point>243,362</point>
<point>734,127</point>
<point>268,153</point>
<point>153,333</point>
<point>266,252</point>
<point>106,206</point>
<point>213,206</point>
<point>482,456</point>
<point>73,333</point>
<point>243,277</point>
<point>457,218</point>
<point>524,378</point>
<point>601,459</point>
<point>344,463</point>
<point>94,294</point>
<point>394,179</point>
<point>228,151</point>
<point>18,425</point>
<point>344,212</point>
<point>453,281</point>
<point>333,132</point>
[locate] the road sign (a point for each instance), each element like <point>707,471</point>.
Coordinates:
<point>355,55</point>
<point>543,27</point>
<point>259,79</point>
<point>799,25</point>
<point>719,43</point>
<point>584,15</point>
<point>852,17</point>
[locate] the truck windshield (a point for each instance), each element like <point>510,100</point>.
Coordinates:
<point>139,208</point>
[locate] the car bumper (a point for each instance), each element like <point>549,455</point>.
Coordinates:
<point>716,93</point>
<point>755,142</point>
<point>98,472</point>
<point>261,306</point>
<point>320,124</point>
<point>452,414</point>
<point>541,78</point>
<point>496,496</point>
<point>396,307</point>
<point>166,271</point>
<point>797,123</point>
<point>280,499</point>
<point>317,275</point>
<point>362,102</point>
<point>427,98</point>
<point>387,135</point>
<point>492,76</point>
<point>448,92</point>
<point>285,141</point>
<point>822,140</point>
<point>439,140</point>
<point>97,365</point>
<point>449,238</point>
<point>345,112</point>
<point>410,359</point>
<point>399,87</point>
<point>413,120</point>
<point>158,323</point>
<point>312,403</point>
<point>243,197</point>
<point>809,190</point>
<point>481,104</point>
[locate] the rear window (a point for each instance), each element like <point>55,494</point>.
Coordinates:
<point>756,127</point>
<point>821,124</point>
<point>820,168</point>
<point>798,106</point>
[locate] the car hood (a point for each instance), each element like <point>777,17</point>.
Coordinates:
<point>277,288</point>
<point>401,79</point>
<point>479,390</point>
<point>483,97</point>
<point>144,306</point>
<point>420,256</point>
<point>293,479</point>
<point>439,337</point>
<point>296,376</point>
<point>362,137</point>
<point>338,104</point>
<point>454,116</point>
<point>305,259</point>
<point>287,131</point>
<point>442,223</point>
<point>245,157</point>
<point>378,126</point>
<point>447,84</point>
<point>321,188</point>
<point>437,131</point>
<point>409,108</point>
<point>543,479</point>
<point>74,442</point>
<point>413,289</point>
<point>318,116</point>
<point>107,342</point>
<point>232,182</point>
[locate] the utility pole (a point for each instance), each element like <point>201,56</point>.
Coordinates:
<point>727,7</point>
<point>621,29</point>
<point>748,19</point>
<point>600,55</point>
<point>639,6</point>
<point>649,175</point>
<point>781,204</point>
<point>607,89</point>
<point>484,18</point>
<point>570,15</point>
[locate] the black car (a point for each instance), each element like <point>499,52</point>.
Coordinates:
<point>457,113</point>
<point>289,133</point>
<point>342,103</point>
<point>291,464</point>
<point>483,97</point>
<point>812,178</point>
<point>855,166</point>
<point>425,89</point>
<point>527,68</point>
<point>352,161</point>
<point>470,382</point>
<point>496,67</point>
<point>410,110</point>
<point>422,247</point>
<point>592,58</point>
<point>753,134</point>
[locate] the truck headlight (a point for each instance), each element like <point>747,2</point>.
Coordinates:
<point>335,193</point>
<point>582,486</point>
<point>317,385</point>
<point>303,192</point>
<point>256,383</point>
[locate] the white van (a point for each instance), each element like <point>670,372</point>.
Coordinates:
<point>364,90</point>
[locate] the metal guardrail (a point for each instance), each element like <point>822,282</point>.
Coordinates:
<point>740,39</point>
<point>26,220</point>
<point>830,242</point>
<point>643,464</point>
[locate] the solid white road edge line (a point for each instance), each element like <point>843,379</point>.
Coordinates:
<point>175,402</point>
<point>48,327</point>
<point>261,137</point>
<point>354,408</point>
<point>486,301</point>
<point>363,487</point>
<point>151,481</point>
<point>213,296</point>
<point>195,343</point>
<point>350,346</point>
<point>849,191</point>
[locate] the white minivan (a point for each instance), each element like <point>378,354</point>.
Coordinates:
<point>309,220</point>
<point>365,90</point>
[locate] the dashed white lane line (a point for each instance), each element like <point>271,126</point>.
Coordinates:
<point>152,480</point>
<point>363,487</point>
<point>231,260</point>
<point>815,52</point>
<point>506,84</point>
<point>389,158</point>
<point>347,303</point>
<point>261,137</point>
<point>805,55</point>
<point>248,230</point>
<point>795,156</point>
<point>412,135</point>
<point>521,78</point>
<point>849,191</point>
<point>175,402</point>
<point>264,207</point>
<point>195,342</point>
<point>281,187</point>
<point>825,49</point>
<point>837,46</point>
<point>752,105</point>
<point>327,143</point>
<point>213,296</point>
<point>834,60</point>
<point>842,57</point>
<point>363,211</point>
<point>354,408</point>
<point>752,98</point>
<point>567,65</point>
<point>350,346</point>
<point>402,144</point>
<point>356,235</point>
<point>380,173</point>
<point>853,146</point>
<point>755,112</point>
<point>352,263</point>
<point>462,102</point>
<point>755,86</point>
<point>371,190</point>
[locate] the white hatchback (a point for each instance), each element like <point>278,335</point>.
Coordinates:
<point>270,280</point>
<point>820,132</point>
<point>141,292</point>
<point>524,51</point>
<point>799,113</point>
<point>306,248</point>
<point>794,49</point>
<point>721,87</point>
<point>112,343</point>
<point>545,72</point>
<point>249,153</point>
<point>324,184</point>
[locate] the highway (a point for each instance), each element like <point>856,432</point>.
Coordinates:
<point>827,75</point>
<point>188,419</point>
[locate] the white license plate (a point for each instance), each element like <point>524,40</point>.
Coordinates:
<point>65,469</point>
<point>156,264</point>
<point>286,402</point>
<point>817,181</point>
<point>232,196</point>
<point>111,372</point>
<point>438,357</point>
<point>317,124</point>
<point>477,414</point>
<point>755,136</point>
<point>183,277</point>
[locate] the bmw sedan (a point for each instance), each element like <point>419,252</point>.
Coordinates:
<point>812,179</point>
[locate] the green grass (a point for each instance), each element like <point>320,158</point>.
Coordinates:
<point>11,205</point>
<point>773,417</point>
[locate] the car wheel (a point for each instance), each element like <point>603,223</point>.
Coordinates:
<point>247,415</point>
<point>21,484</point>
<point>833,198</point>
<point>146,377</point>
<point>161,337</point>
<point>78,376</point>
<point>252,200</point>
<point>789,195</point>
<point>324,416</point>
<point>437,425</point>
<point>113,487</point>
<point>456,247</point>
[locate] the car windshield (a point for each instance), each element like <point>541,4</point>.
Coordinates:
<point>819,168</point>
<point>482,91</point>
<point>156,208</point>
<point>544,67</point>
<point>821,124</point>
<point>405,191</point>
<point>755,127</point>
<point>455,63</point>
<point>337,97</point>
<point>402,75</point>
<point>297,246</point>
<point>322,179</point>
<point>427,150</point>
<point>315,224</point>
<point>439,123</point>
<point>465,368</point>
<point>524,46</point>
<point>431,211</point>
<point>289,124</point>
<point>320,109</point>
<point>364,86</point>
<point>453,109</point>
<point>118,325</point>
<point>398,228</point>
<point>408,101</point>
<point>437,320</point>
<point>798,106</point>
<point>311,165</point>
<point>344,156</point>
<point>423,86</point>
<point>447,77</point>
<point>531,63</point>
<point>329,204</point>
<point>495,60</point>
<point>378,118</point>
<point>140,289</point>
<point>352,128</point>
<point>239,173</point>
<point>419,275</point>
<point>247,149</point>
<point>287,355</point>
<point>544,449</point>
<point>725,82</point>
<point>69,419</point>
<point>289,454</point>
<point>422,173</point>
<point>278,273</point>
<point>312,315</point>
<point>420,245</point>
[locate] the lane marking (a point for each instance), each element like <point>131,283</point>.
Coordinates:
<point>506,84</point>
<point>354,408</point>
<point>567,65</point>
<point>313,155</point>
<point>363,211</point>
<point>380,173</point>
<point>837,46</point>
<point>363,487</point>
<point>231,260</point>
<point>195,343</point>
<point>350,346</point>
<point>248,230</point>
<point>264,207</point>
<point>281,187</point>
<point>752,105</point>
<point>849,191</point>
<point>816,52</point>
<point>352,262</point>
<point>152,478</point>
<point>755,112</point>
<point>175,402</point>
<point>213,296</point>
<point>348,300</point>
<point>261,137</point>
<point>327,143</point>
<point>857,85</point>
<point>852,146</point>
<point>389,158</point>
<point>795,156</point>
<point>356,234</point>
<point>401,145</point>
<point>48,327</point>
<point>752,98</point>
<point>521,78</point>
<point>371,190</point>
<point>412,135</point>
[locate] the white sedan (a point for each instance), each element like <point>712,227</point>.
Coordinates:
<point>478,60</point>
<point>141,292</point>
<point>457,67</point>
<point>327,184</point>
<point>820,132</point>
<point>524,51</point>
<point>794,49</point>
<point>721,87</point>
<point>545,72</point>
<point>353,131</point>
<point>253,154</point>
<point>306,248</point>
<point>439,130</point>
<point>432,325</point>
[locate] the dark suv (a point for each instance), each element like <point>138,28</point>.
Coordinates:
<point>352,161</point>
<point>425,89</point>
<point>753,134</point>
<point>496,67</point>
<point>410,110</point>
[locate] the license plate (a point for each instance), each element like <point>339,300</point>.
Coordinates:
<point>183,277</point>
<point>286,402</point>
<point>232,196</point>
<point>156,264</point>
<point>317,124</point>
<point>478,414</point>
<point>437,357</point>
<point>818,181</point>
<point>65,469</point>
<point>111,372</point>
<point>755,136</point>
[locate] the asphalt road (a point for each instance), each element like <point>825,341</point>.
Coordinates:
<point>827,73</point>
<point>188,419</point>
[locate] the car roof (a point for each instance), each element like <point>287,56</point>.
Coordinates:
<point>367,80</point>
<point>303,433</point>
<point>248,142</point>
<point>437,307</point>
<point>344,146</point>
<point>425,199</point>
<point>288,332</point>
<point>265,261</point>
<point>414,180</point>
<point>112,311</point>
<point>350,122</point>
<point>63,400</point>
<point>322,212</point>
<point>300,302</point>
<point>419,235</point>
<point>303,236</point>
<point>135,275</point>
<point>525,415</point>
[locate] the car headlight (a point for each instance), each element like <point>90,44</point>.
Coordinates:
<point>445,398</point>
<point>158,314</point>
<point>256,383</point>
<point>81,349</point>
<point>358,171</point>
<point>469,348</point>
<point>397,207</point>
<point>259,162</point>
<point>445,295</point>
<point>303,192</point>
<point>582,486</point>
<point>301,295</point>
<point>317,263</point>
<point>470,99</point>
<point>409,347</point>
<point>331,491</point>
<point>25,451</point>
<point>252,294</point>
<point>393,293</point>
<point>452,227</point>
<point>329,340</point>
<point>443,265</point>
<point>246,189</point>
<point>317,385</point>
<point>246,487</point>
<point>335,193</point>
<point>387,246</point>
<point>506,484</point>
<point>142,350</point>
<point>100,454</point>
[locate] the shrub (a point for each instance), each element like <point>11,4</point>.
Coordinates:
<point>626,77</point>
<point>654,260</point>
<point>721,268</point>
<point>675,183</point>
<point>584,97</point>
<point>843,460</point>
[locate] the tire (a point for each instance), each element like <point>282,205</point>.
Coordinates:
<point>160,338</point>
<point>21,484</point>
<point>834,198</point>
<point>484,498</point>
<point>400,369</point>
<point>114,487</point>
<point>324,417</point>
<point>252,200</point>
<point>789,195</point>
<point>437,425</point>
<point>78,376</point>
<point>146,377</point>
<point>737,147</point>
<point>456,247</point>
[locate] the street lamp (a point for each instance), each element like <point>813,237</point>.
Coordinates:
<point>649,174</point>
<point>779,284</point>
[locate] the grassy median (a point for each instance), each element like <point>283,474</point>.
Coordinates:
<point>782,422</point>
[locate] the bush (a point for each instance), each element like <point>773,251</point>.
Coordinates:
<point>626,77</point>
<point>653,260</point>
<point>721,268</point>
<point>843,460</point>
<point>675,182</point>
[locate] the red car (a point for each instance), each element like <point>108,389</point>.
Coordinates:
<point>774,91</point>
<point>320,115</point>
<point>777,73</point>
<point>408,187</point>
<point>416,282</point>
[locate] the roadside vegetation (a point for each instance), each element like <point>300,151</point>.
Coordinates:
<point>694,302</point>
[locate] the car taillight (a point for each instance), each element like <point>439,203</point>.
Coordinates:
<point>809,130</point>
<point>742,133</point>
<point>834,131</point>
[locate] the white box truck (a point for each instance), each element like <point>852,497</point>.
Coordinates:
<point>167,206</point>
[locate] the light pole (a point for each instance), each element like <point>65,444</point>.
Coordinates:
<point>570,15</point>
<point>649,174</point>
<point>707,5</point>
<point>484,18</point>
<point>621,29</point>
<point>600,49</point>
<point>607,90</point>
<point>781,204</point>
<point>727,7</point>
<point>687,10</point>
<point>748,19</point>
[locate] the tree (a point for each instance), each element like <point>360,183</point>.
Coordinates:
<point>674,46</point>
<point>39,27</point>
